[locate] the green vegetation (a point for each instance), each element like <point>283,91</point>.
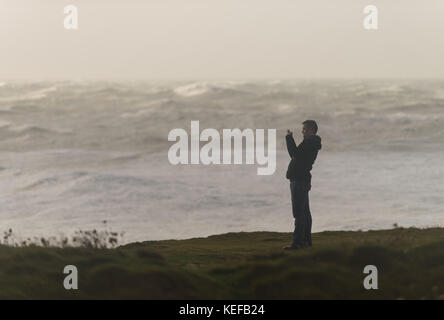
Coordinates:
<point>235,266</point>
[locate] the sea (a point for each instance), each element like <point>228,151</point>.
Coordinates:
<point>74,154</point>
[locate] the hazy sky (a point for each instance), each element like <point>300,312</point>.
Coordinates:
<point>226,39</point>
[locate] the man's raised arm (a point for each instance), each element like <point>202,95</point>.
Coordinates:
<point>291,145</point>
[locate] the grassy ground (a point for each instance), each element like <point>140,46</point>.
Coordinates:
<point>236,266</point>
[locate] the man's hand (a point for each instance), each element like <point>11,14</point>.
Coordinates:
<point>289,133</point>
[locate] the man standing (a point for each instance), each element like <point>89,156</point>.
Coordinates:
<point>302,159</point>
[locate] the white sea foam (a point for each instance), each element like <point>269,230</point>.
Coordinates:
<point>202,88</point>
<point>40,94</point>
<point>409,117</point>
<point>193,89</point>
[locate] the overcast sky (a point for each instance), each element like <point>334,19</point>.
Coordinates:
<point>221,39</point>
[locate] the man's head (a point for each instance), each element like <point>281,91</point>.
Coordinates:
<point>310,128</point>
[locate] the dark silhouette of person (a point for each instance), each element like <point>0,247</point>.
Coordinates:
<point>303,157</point>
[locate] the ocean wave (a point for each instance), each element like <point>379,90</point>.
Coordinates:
<point>407,117</point>
<point>148,109</point>
<point>4,124</point>
<point>286,108</point>
<point>138,113</point>
<point>202,88</point>
<point>25,129</point>
<point>193,89</point>
<point>44,182</point>
<point>38,94</point>
<point>394,89</point>
<point>110,184</point>
<point>31,134</point>
<point>59,181</point>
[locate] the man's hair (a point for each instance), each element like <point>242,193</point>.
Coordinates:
<point>311,124</point>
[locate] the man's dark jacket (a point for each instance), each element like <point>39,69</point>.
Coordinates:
<point>302,157</point>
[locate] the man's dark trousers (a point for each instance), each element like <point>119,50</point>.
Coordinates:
<point>301,213</point>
